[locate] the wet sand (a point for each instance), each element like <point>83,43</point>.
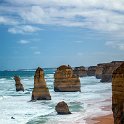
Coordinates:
<point>104,119</point>
<point>107,119</point>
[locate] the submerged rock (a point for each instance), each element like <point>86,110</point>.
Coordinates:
<point>62,108</point>
<point>18,84</point>
<point>40,91</point>
<point>118,95</point>
<point>80,71</point>
<point>12,118</point>
<point>66,80</point>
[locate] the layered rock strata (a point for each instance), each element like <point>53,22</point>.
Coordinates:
<point>40,91</point>
<point>91,71</point>
<point>108,70</point>
<point>62,108</point>
<point>18,84</point>
<point>66,80</point>
<point>80,71</point>
<point>118,95</point>
<point>99,70</point>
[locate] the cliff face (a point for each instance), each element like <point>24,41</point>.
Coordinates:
<point>107,73</point>
<point>80,71</point>
<point>99,70</point>
<point>62,108</point>
<point>18,84</point>
<point>66,80</point>
<point>40,91</point>
<point>104,70</point>
<point>91,71</point>
<point>108,70</point>
<point>118,94</point>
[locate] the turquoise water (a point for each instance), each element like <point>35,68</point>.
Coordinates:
<point>26,73</point>
<point>17,104</point>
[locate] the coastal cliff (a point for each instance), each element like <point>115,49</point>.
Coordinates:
<point>80,71</point>
<point>91,71</point>
<point>118,94</point>
<point>108,69</point>
<point>99,70</point>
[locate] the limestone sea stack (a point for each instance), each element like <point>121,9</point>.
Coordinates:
<point>118,94</point>
<point>80,71</point>
<point>91,71</point>
<point>66,80</point>
<point>62,108</point>
<point>40,91</point>
<point>18,84</point>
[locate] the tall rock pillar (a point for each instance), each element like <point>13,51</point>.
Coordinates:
<point>40,91</point>
<point>18,84</point>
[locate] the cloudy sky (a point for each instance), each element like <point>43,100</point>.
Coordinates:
<point>49,33</point>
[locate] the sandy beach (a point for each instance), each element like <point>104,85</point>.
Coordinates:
<point>107,119</point>
<point>104,119</point>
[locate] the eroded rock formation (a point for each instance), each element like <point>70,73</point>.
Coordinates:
<point>18,84</point>
<point>91,71</point>
<point>40,91</point>
<point>80,71</point>
<point>108,69</point>
<point>66,80</point>
<point>99,70</point>
<point>118,95</point>
<point>62,108</point>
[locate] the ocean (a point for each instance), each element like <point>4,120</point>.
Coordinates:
<point>84,104</point>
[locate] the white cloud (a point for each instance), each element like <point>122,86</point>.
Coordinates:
<point>37,52</point>
<point>104,15</point>
<point>22,29</point>
<point>116,44</point>
<point>34,14</point>
<point>7,21</point>
<point>24,42</point>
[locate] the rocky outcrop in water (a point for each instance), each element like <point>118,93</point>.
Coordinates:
<point>91,71</point>
<point>108,69</point>
<point>40,91</point>
<point>66,80</point>
<point>80,71</point>
<point>62,108</point>
<point>99,70</point>
<point>18,84</point>
<point>118,95</point>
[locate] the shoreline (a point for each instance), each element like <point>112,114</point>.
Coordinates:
<point>108,119</point>
<point>105,119</point>
<point>102,119</point>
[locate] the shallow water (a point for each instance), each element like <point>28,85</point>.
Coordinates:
<point>82,104</point>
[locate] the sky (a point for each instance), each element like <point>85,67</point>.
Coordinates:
<point>49,33</point>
